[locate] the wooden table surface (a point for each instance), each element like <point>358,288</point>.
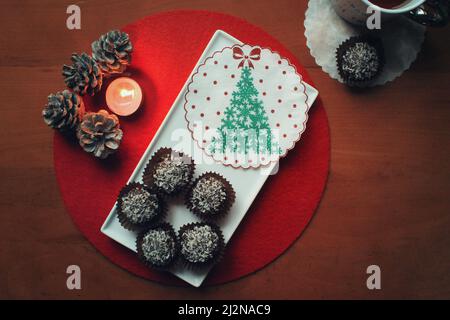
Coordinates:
<point>386,202</point>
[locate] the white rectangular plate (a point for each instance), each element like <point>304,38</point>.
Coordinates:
<point>246,183</point>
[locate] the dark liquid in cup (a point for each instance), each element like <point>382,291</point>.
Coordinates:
<point>388,4</point>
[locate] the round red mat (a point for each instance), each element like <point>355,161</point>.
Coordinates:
<point>166,48</point>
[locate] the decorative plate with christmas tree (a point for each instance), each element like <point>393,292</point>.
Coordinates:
<point>246,106</point>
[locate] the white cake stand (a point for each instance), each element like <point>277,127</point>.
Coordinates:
<point>325,31</point>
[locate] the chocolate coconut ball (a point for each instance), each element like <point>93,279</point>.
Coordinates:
<point>360,60</point>
<point>169,172</point>
<point>139,207</point>
<point>158,246</point>
<point>211,196</point>
<point>201,243</point>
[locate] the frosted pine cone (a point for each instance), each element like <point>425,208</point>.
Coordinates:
<point>83,76</point>
<point>63,111</point>
<point>100,134</point>
<point>112,52</point>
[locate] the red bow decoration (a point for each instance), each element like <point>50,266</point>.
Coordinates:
<point>238,54</point>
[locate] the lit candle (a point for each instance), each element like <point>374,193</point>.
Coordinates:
<point>123,96</point>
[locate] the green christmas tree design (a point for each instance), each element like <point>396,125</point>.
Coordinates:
<point>245,126</point>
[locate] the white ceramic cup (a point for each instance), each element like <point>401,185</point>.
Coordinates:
<point>355,11</point>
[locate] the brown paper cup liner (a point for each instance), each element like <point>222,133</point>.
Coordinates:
<point>125,222</point>
<point>162,226</point>
<point>340,51</point>
<point>223,209</point>
<point>218,254</point>
<point>151,166</point>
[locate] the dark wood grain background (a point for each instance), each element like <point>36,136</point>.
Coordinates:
<point>386,203</point>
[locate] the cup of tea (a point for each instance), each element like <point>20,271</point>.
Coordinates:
<point>430,13</point>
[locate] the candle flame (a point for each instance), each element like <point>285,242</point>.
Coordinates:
<point>126,93</point>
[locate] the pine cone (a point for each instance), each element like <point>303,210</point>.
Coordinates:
<point>63,111</point>
<point>84,75</point>
<point>112,52</point>
<point>99,133</point>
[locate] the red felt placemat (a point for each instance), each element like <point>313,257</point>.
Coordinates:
<point>166,48</point>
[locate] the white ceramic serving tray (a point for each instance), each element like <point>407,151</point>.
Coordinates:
<point>246,182</point>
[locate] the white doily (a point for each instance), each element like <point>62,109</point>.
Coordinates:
<point>246,106</point>
<point>325,31</point>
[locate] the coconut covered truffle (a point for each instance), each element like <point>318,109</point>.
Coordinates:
<point>360,60</point>
<point>158,247</point>
<point>200,243</point>
<point>211,196</point>
<point>169,172</point>
<point>139,206</point>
